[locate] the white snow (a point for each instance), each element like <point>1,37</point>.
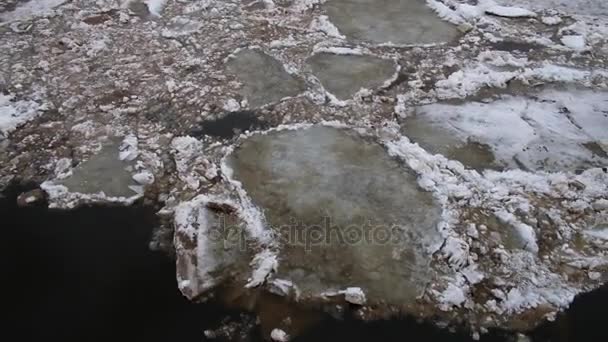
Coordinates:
<point>486,123</point>
<point>14,113</point>
<point>519,126</point>
<point>574,42</point>
<point>279,335</point>
<point>551,20</point>
<point>354,295</point>
<point>453,296</point>
<point>598,233</point>
<point>187,152</point>
<point>322,23</point>
<point>262,264</point>
<point>591,7</point>
<point>30,9</point>
<point>191,219</point>
<point>231,105</point>
<point>601,204</point>
<point>471,12</point>
<point>128,149</point>
<point>253,216</point>
<point>61,197</point>
<point>445,13</point>
<point>339,50</point>
<point>526,233</point>
<point>144,177</point>
<point>474,76</point>
<point>63,168</point>
<point>283,287</point>
<point>303,5</point>
<point>156,6</point>
<point>509,12</point>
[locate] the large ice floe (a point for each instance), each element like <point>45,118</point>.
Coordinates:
<point>337,200</point>
<point>441,159</point>
<point>555,130</point>
<point>389,21</point>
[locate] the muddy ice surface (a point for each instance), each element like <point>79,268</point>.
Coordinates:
<point>334,188</point>
<point>103,172</point>
<point>264,79</point>
<point>553,131</point>
<point>344,75</point>
<point>389,21</point>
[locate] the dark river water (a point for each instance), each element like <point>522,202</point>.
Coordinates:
<point>88,275</point>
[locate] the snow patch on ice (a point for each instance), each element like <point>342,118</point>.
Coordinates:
<point>156,6</point>
<point>144,177</point>
<point>574,42</point>
<point>61,197</point>
<point>472,78</point>
<point>452,296</point>
<point>509,12</point>
<point>323,24</point>
<point>526,233</point>
<point>14,113</point>
<point>354,295</point>
<point>303,5</point>
<point>518,127</point>
<point>30,9</point>
<point>263,264</point>
<point>598,233</point>
<point>279,335</point>
<point>128,150</point>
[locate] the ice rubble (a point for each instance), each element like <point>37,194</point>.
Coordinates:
<point>300,174</point>
<point>532,280</point>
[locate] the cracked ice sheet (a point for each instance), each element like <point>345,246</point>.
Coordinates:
<point>550,131</point>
